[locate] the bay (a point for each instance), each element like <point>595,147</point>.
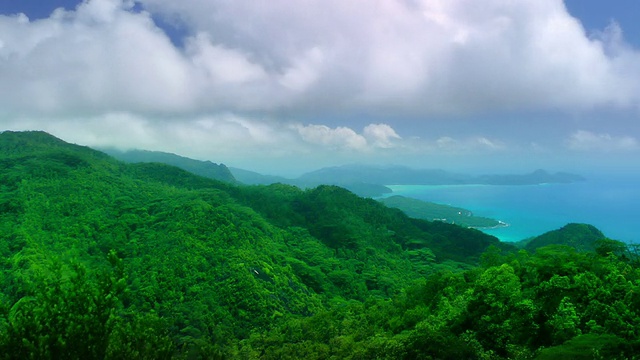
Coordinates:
<point>612,204</point>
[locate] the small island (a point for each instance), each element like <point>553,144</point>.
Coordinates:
<point>438,212</point>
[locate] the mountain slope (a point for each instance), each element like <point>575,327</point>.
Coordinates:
<point>203,168</point>
<point>253,178</point>
<point>208,259</point>
<point>582,237</point>
<point>102,259</point>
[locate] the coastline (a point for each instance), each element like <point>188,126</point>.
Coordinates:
<point>501,224</point>
<point>607,202</point>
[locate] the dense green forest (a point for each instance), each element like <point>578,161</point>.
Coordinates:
<point>103,259</point>
<point>198,167</point>
<point>431,211</point>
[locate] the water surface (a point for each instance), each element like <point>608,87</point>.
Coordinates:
<point>610,204</point>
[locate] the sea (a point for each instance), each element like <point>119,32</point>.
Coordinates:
<point>612,204</point>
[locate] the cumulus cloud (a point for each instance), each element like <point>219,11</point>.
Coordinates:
<point>373,136</point>
<point>583,140</point>
<point>219,64</point>
<point>380,135</point>
<point>337,138</point>
<point>106,74</point>
<point>479,143</point>
<point>427,56</point>
<point>98,58</point>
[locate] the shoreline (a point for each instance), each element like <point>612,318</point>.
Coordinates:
<point>501,224</point>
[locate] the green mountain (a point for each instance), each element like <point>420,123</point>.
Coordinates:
<point>202,168</point>
<point>254,178</point>
<point>105,259</point>
<point>234,175</point>
<point>582,237</point>
<point>438,212</point>
<point>196,248</point>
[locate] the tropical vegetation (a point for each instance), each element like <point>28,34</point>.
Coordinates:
<point>104,259</point>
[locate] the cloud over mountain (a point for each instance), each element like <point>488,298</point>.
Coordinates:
<point>276,72</point>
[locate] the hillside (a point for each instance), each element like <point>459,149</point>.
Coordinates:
<point>254,178</point>
<point>202,168</point>
<point>582,237</point>
<point>104,259</point>
<point>195,247</point>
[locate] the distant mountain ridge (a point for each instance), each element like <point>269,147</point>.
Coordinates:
<point>360,188</point>
<point>370,181</point>
<point>400,175</point>
<point>254,178</point>
<point>363,180</point>
<point>203,168</point>
<point>389,175</point>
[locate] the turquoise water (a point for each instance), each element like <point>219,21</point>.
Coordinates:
<point>612,205</point>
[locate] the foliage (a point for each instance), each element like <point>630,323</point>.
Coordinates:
<point>583,237</point>
<point>203,168</point>
<point>101,259</point>
<point>431,211</point>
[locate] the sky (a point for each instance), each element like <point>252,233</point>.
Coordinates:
<point>284,86</point>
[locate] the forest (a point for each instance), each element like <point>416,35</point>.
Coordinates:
<point>102,259</point>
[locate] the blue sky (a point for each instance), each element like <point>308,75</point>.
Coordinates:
<point>284,86</point>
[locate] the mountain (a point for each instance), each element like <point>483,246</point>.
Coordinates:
<point>203,168</point>
<point>359,188</point>
<point>399,175</point>
<point>205,258</point>
<point>253,178</point>
<point>391,175</point>
<point>102,259</point>
<point>582,237</point>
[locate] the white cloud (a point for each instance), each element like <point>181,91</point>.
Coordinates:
<point>583,140</point>
<point>99,58</point>
<point>373,136</point>
<point>468,145</point>
<point>222,65</point>
<point>428,57</point>
<point>220,137</point>
<point>337,138</point>
<point>106,74</point>
<point>380,135</point>
<point>304,71</point>
<point>446,142</point>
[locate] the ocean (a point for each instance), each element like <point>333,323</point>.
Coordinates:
<point>610,204</point>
